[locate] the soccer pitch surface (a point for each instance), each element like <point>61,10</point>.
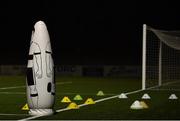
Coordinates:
<point>107,107</point>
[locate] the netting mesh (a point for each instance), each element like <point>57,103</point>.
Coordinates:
<point>162,58</point>
<point>170,38</point>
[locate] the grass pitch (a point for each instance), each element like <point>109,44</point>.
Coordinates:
<point>13,97</point>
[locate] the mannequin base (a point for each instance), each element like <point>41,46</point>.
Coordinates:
<point>38,112</point>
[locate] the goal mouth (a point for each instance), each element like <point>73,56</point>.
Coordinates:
<point>169,86</point>
<point>161,59</point>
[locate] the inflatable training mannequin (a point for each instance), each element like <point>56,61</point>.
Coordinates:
<point>40,72</point>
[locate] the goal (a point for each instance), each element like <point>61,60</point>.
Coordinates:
<point>160,59</point>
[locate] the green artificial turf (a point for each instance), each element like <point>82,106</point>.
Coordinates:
<point>159,105</point>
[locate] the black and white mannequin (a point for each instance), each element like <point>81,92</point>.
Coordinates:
<point>40,72</point>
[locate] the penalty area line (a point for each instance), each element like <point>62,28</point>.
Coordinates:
<point>11,87</point>
<point>17,93</point>
<point>71,93</point>
<point>97,101</point>
<point>81,105</point>
<point>108,98</point>
<point>6,114</point>
<point>59,83</point>
<point>22,93</point>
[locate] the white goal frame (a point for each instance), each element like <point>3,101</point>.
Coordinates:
<point>144,60</point>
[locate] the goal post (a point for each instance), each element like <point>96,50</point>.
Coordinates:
<point>144,58</point>
<point>160,57</point>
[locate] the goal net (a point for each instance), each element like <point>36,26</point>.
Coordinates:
<point>161,59</point>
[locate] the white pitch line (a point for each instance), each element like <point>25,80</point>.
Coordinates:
<point>29,118</point>
<point>24,86</point>
<point>12,87</point>
<point>18,93</point>
<point>59,83</point>
<point>100,100</point>
<point>72,93</point>
<point>165,90</point>
<point>4,114</point>
<point>81,105</point>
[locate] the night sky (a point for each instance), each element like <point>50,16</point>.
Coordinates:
<point>84,32</point>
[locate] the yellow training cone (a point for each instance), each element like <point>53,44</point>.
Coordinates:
<point>73,106</point>
<point>89,101</point>
<point>143,104</point>
<point>66,100</point>
<point>25,107</point>
<point>100,93</point>
<point>78,97</point>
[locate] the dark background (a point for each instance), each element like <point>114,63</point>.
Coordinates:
<point>84,32</point>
